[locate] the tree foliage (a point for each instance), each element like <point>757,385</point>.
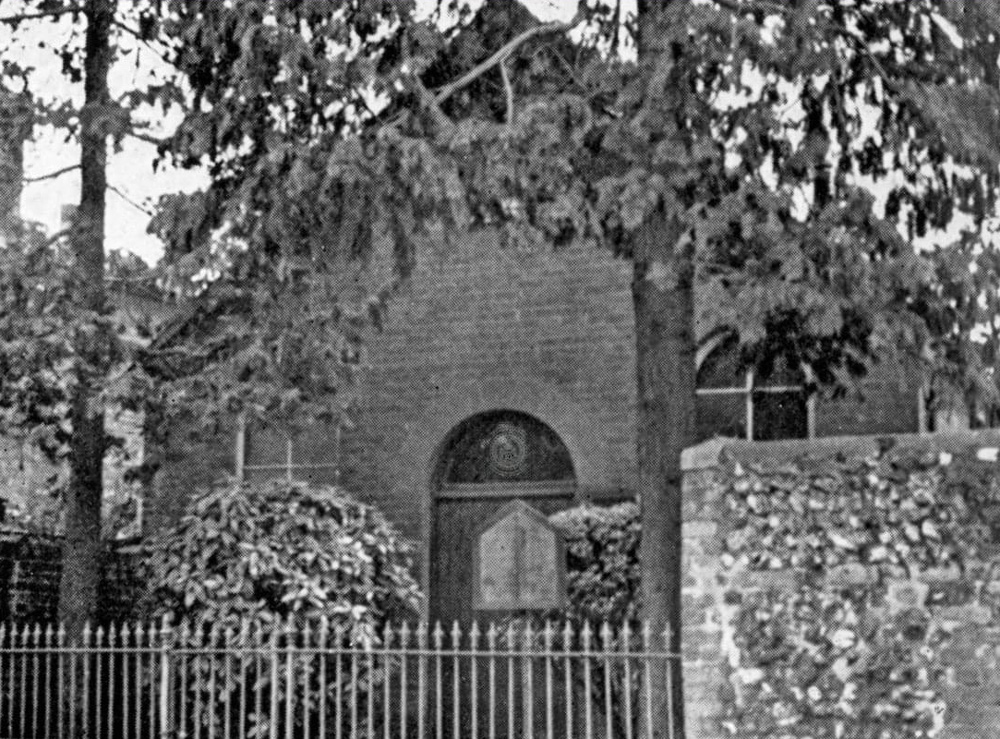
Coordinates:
<point>761,158</point>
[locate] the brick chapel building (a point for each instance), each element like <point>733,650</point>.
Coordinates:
<point>504,373</point>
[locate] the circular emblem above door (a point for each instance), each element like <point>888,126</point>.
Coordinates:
<point>508,450</point>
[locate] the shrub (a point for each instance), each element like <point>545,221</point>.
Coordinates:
<point>265,551</point>
<point>602,573</point>
<point>602,561</point>
<point>291,556</point>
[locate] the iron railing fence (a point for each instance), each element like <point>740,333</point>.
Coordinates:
<point>318,680</point>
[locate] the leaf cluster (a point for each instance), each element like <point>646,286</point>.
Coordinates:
<point>265,551</point>
<point>290,559</point>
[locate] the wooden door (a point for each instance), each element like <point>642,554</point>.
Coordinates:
<point>489,461</point>
<point>459,512</point>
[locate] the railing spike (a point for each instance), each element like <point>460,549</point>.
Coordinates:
<point>491,636</point>
<point>438,635</point>
<point>668,636</point>
<point>456,635</point>
<point>606,634</point>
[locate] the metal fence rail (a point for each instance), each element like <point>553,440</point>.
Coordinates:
<point>283,680</point>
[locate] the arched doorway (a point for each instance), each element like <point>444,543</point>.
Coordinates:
<point>486,462</point>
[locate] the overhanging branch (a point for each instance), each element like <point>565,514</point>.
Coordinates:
<point>149,139</point>
<point>501,54</point>
<point>51,175</point>
<point>20,17</point>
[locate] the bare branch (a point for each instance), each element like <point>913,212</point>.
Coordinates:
<point>148,138</point>
<point>501,54</point>
<point>134,33</point>
<point>56,237</point>
<point>508,92</point>
<point>51,175</point>
<point>129,200</point>
<point>18,18</point>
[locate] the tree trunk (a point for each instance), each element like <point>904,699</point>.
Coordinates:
<point>665,374</point>
<point>663,298</point>
<point>81,548</point>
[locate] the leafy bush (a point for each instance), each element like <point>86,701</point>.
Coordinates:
<point>300,561</point>
<point>602,568</point>
<point>602,573</point>
<point>265,551</point>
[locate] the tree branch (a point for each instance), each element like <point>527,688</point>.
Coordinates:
<point>128,200</point>
<point>51,175</point>
<point>138,37</point>
<point>56,236</point>
<point>41,14</point>
<point>508,92</point>
<point>148,138</point>
<point>501,54</point>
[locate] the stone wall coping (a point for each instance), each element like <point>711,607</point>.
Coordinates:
<point>708,454</point>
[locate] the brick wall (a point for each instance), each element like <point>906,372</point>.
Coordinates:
<point>482,327</point>
<point>711,593</point>
<point>30,567</point>
<point>887,404</point>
